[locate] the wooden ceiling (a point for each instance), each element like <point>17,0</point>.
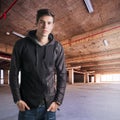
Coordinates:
<point>81,33</point>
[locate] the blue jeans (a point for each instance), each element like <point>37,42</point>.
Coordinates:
<point>39,113</point>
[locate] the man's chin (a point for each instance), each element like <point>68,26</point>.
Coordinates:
<point>45,35</point>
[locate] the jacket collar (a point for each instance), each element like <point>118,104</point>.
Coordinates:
<point>33,37</point>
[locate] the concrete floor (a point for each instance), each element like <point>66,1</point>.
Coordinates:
<point>82,102</point>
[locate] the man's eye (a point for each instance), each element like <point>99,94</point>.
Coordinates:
<point>49,23</point>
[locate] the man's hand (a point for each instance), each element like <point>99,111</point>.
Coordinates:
<point>22,105</point>
<point>53,107</point>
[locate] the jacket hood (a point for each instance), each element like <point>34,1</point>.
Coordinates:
<point>33,37</point>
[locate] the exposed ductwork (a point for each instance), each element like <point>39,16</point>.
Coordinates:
<point>5,13</point>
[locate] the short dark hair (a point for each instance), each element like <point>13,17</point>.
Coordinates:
<point>43,12</point>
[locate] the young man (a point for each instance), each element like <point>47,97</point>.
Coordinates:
<point>38,56</point>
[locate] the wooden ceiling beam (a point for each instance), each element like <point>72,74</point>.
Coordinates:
<point>106,55</point>
<point>97,63</point>
<point>101,67</point>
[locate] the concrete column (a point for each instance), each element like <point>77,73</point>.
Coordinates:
<point>97,78</point>
<point>86,77</point>
<point>0,76</point>
<point>5,76</point>
<point>71,76</point>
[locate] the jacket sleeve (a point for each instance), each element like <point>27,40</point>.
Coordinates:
<point>14,71</point>
<point>61,75</point>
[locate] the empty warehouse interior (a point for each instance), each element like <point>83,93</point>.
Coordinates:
<point>90,36</point>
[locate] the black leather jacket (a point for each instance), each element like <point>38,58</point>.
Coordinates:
<point>37,76</point>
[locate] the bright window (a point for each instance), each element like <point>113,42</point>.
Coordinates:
<point>110,77</point>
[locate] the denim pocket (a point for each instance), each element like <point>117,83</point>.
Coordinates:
<point>51,115</point>
<point>27,115</point>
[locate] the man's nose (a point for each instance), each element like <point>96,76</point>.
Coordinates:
<point>45,25</point>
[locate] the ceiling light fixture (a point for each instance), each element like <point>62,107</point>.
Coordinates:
<point>18,34</point>
<point>7,33</point>
<point>105,42</point>
<point>89,5</point>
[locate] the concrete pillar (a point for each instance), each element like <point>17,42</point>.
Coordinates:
<point>71,76</point>
<point>5,76</point>
<point>86,77</point>
<point>97,78</point>
<point>0,76</point>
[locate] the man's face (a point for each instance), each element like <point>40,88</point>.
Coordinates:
<point>45,25</point>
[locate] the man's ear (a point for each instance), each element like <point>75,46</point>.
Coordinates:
<point>36,24</point>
